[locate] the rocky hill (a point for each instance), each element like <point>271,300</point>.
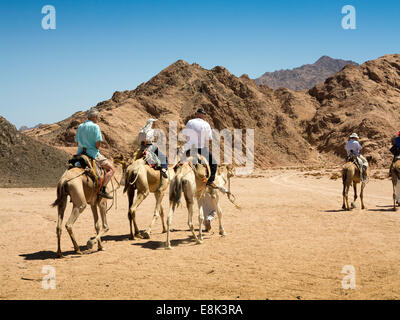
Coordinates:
<point>304,77</point>
<point>26,162</point>
<point>291,127</point>
<point>363,99</point>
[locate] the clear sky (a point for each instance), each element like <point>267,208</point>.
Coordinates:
<point>99,47</point>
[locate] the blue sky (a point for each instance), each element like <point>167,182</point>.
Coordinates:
<point>99,47</point>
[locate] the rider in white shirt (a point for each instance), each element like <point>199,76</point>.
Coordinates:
<point>354,147</point>
<point>198,133</point>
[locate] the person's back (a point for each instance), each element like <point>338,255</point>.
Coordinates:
<point>201,134</point>
<point>88,134</point>
<point>353,146</point>
<point>198,133</point>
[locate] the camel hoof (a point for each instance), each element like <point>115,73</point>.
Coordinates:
<point>101,249</point>
<point>138,235</point>
<point>90,244</point>
<point>395,209</point>
<point>131,237</point>
<point>353,205</point>
<point>199,241</point>
<point>60,255</point>
<point>168,247</point>
<point>222,233</point>
<point>78,252</point>
<point>145,235</point>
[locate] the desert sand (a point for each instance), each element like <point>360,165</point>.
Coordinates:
<point>290,240</point>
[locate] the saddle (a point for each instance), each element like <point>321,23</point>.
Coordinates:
<point>354,159</point>
<point>197,163</point>
<point>149,157</point>
<point>92,168</point>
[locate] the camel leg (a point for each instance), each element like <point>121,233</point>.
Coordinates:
<point>345,197</point>
<point>172,207</point>
<point>201,220</point>
<point>131,194</point>
<point>159,196</point>
<point>132,210</point>
<point>394,183</point>
<point>219,213</point>
<point>362,195</point>
<point>353,204</point>
<point>105,228</point>
<point>190,205</point>
<point>61,210</point>
<point>91,242</point>
<point>76,211</point>
<point>164,228</point>
<point>100,231</point>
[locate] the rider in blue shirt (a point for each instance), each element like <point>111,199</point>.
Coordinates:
<point>88,137</point>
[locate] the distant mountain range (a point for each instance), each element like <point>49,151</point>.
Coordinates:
<point>304,77</point>
<point>24,128</point>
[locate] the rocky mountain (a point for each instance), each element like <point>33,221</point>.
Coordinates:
<point>363,99</point>
<point>26,162</point>
<point>291,127</point>
<point>25,128</point>
<point>304,77</point>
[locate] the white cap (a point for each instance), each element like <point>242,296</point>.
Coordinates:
<point>354,135</point>
<point>92,113</point>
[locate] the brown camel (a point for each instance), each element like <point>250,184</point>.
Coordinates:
<point>141,177</point>
<point>395,173</point>
<point>82,191</point>
<point>351,175</point>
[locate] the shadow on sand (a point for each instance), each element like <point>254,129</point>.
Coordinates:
<point>154,245</point>
<point>390,209</point>
<point>46,255</point>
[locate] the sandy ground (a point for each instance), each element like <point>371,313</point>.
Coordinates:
<point>290,241</point>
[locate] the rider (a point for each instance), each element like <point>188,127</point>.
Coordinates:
<point>147,143</point>
<point>198,133</point>
<point>395,150</point>
<point>88,136</point>
<point>354,147</point>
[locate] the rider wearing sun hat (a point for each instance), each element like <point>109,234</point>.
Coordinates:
<point>148,145</point>
<point>354,147</point>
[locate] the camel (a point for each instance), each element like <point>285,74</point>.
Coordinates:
<point>351,175</point>
<point>191,181</point>
<point>395,173</point>
<point>141,177</point>
<point>82,191</point>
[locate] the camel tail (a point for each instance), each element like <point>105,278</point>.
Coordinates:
<point>62,194</point>
<point>344,176</point>
<point>130,177</point>
<point>175,194</point>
